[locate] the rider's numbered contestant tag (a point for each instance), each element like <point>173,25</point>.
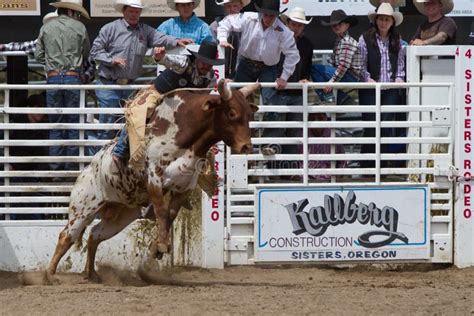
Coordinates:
<point>342,224</point>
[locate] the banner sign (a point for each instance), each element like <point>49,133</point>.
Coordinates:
<point>153,8</point>
<point>342,224</point>
<point>360,7</point>
<point>20,7</point>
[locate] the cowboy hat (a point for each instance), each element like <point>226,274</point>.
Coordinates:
<point>448,6</point>
<point>244,2</point>
<point>75,5</point>
<point>386,9</point>
<point>48,17</point>
<point>119,4</point>
<point>271,7</point>
<point>296,14</point>
<point>172,3</point>
<point>208,53</point>
<point>395,4</point>
<point>339,16</point>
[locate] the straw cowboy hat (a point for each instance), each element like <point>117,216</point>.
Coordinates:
<point>172,3</point>
<point>339,16</point>
<point>386,9</point>
<point>208,53</point>
<point>269,7</point>
<point>119,4</point>
<point>244,2</point>
<point>75,5</point>
<point>448,6</point>
<point>48,17</point>
<point>296,14</point>
<point>395,4</point>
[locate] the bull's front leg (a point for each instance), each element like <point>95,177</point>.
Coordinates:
<point>163,222</point>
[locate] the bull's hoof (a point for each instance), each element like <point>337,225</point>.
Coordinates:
<point>50,279</point>
<point>93,277</point>
<point>157,250</point>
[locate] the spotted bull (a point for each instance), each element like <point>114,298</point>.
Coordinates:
<point>179,134</point>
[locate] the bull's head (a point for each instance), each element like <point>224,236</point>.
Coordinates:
<point>233,115</point>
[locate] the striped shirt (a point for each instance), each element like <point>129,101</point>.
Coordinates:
<point>195,29</point>
<point>345,57</point>
<point>385,67</point>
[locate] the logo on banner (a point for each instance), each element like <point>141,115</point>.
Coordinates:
<point>315,220</point>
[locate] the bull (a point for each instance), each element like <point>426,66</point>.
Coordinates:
<point>179,134</point>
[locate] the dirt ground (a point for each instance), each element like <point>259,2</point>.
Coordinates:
<point>360,290</point>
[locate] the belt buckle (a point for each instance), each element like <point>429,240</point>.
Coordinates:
<point>122,81</point>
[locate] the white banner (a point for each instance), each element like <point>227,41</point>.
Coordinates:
<point>335,224</point>
<point>153,8</point>
<point>360,7</point>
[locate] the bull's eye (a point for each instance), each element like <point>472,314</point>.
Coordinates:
<point>233,115</point>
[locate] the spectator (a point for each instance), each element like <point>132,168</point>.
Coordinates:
<point>120,49</point>
<point>438,29</point>
<point>264,39</point>
<point>382,61</point>
<point>296,22</point>
<point>471,34</point>
<point>63,60</point>
<point>187,24</point>
<point>345,63</point>
<point>29,47</point>
<point>230,7</point>
<point>182,71</point>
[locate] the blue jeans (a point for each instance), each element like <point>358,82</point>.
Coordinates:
<point>387,97</point>
<point>324,73</point>
<point>66,99</point>
<point>109,99</point>
<point>122,148</point>
<point>251,72</point>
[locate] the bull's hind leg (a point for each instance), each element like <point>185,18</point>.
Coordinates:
<point>114,218</point>
<point>79,218</point>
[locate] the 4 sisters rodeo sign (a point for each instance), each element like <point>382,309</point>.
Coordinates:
<point>342,224</point>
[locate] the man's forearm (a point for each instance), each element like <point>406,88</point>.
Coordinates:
<point>438,39</point>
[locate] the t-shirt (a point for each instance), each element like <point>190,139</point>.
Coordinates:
<point>429,29</point>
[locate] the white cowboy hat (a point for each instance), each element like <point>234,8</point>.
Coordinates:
<point>48,17</point>
<point>119,4</point>
<point>172,3</point>
<point>296,14</point>
<point>75,5</point>
<point>395,4</point>
<point>244,2</point>
<point>386,9</point>
<point>448,6</point>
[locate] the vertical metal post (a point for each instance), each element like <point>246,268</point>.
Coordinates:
<point>305,134</point>
<point>377,132</point>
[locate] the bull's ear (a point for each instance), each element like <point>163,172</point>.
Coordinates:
<point>254,107</point>
<point>211,104</point>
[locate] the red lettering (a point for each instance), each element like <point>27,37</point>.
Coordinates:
<point>467,213</point>
<point>216,165</point>
<point>468,110</point>
<point>467,99</point>
<point>468,74</point>
<point>467,201</point>
<point>467,188</point>
<point>215,216</point>
<point>468,86</point>
<point>216,73</point>
<point>467,164</point>
<point>467,123</point>
<point>467,135</point>
<point>215,203</point>
<point>468,54</point>
<point>216,191</point>
<point>467,175</point>
<point>467,148</point>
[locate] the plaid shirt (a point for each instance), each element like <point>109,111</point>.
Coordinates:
<point>183,63</point>
<point>27,47</point>
<point>195,29</point>
<point>345,57</point>
<point>385,67</point>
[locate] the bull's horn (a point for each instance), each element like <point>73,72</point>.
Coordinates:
<point>224,90</point>
<point>248,90</point>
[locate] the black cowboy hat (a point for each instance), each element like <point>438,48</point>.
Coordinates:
<point>208,53</point>
<point>338,16</point>
<point>269,7</point>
